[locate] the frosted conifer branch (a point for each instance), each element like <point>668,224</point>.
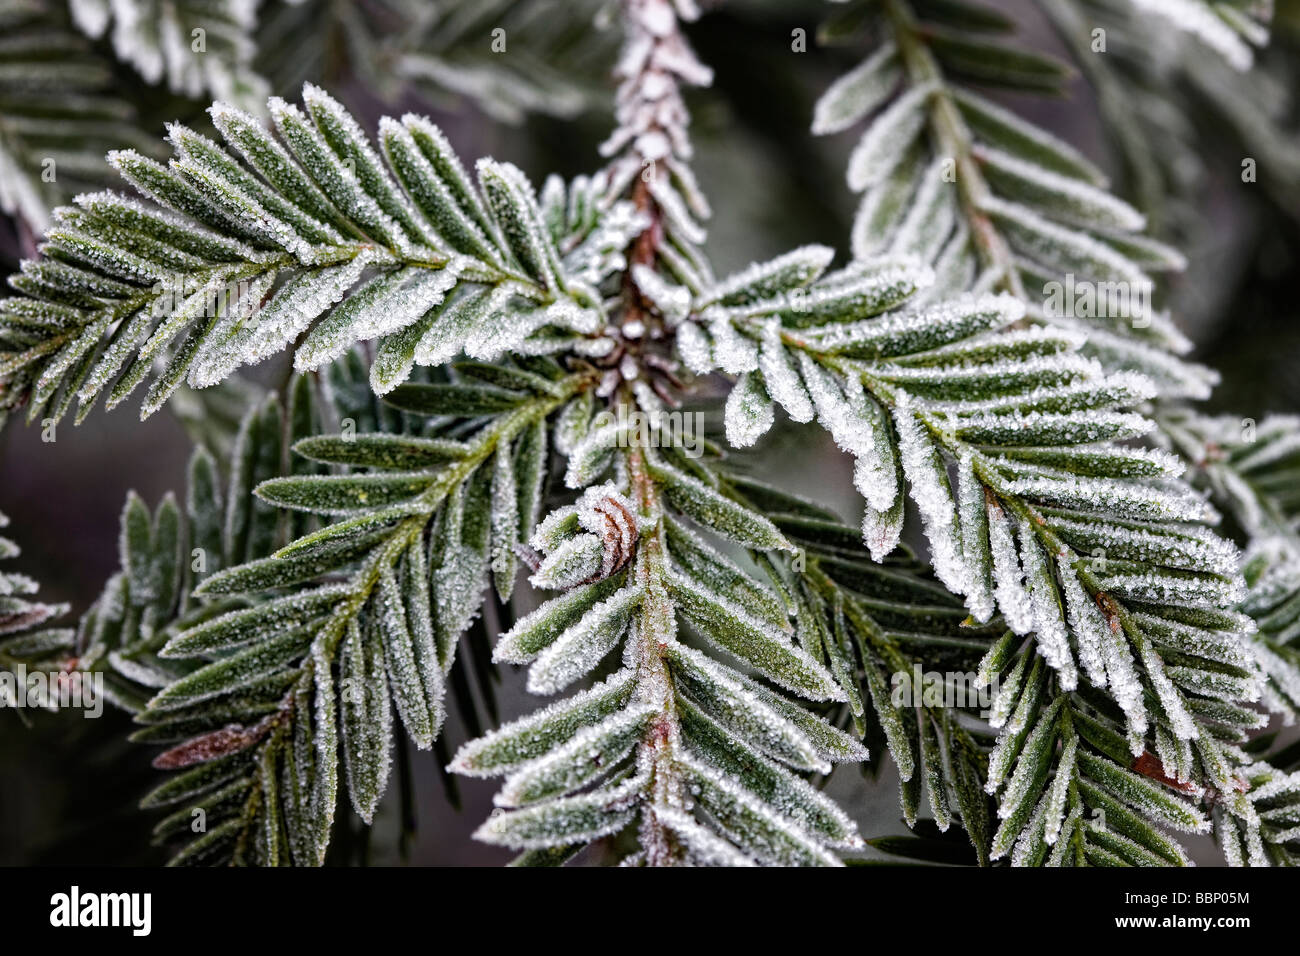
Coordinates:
<point>650,145</point>
<point>1093,552</point>
<point>28,644</point>
<point>718,640</point>
<point>196,49</point>
<point>1239,462</point>
<point>650,115</point>
<point>61,113</point>
<point>299,657</point>
<point>308,238</point>
<point>1002,203</point>
<point>691,752</point>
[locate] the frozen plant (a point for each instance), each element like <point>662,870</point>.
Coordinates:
<point>482,375</point>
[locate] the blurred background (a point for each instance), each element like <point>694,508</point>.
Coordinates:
<point>68,786</point>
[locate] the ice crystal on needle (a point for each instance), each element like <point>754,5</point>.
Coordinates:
<point>847,425</point>
<point>933,496</point>
<point>1013,599</point>
<point>1048,619</point>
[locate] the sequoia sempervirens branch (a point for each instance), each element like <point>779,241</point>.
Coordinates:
<point>650,147</point>
<point>459,335</point>
<point>650,141</point>
<point>954,139</point>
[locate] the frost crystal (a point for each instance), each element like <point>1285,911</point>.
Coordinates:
<point>846,425</point>
<point>972,511</point>
<point>1089,628</point>
<point>780,375</point>
<point>695,348</point>
<point>749,413</point>
<point>882,146</point>
<point>857,92</point>
<point>933,496</point>
<point>1009,586</point>
<point>585,644</point>
<point>881,531</point>
<point>1202,22</point>
<point>705,848</point>
<point>1049,623</point>
<point>735,353</point>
